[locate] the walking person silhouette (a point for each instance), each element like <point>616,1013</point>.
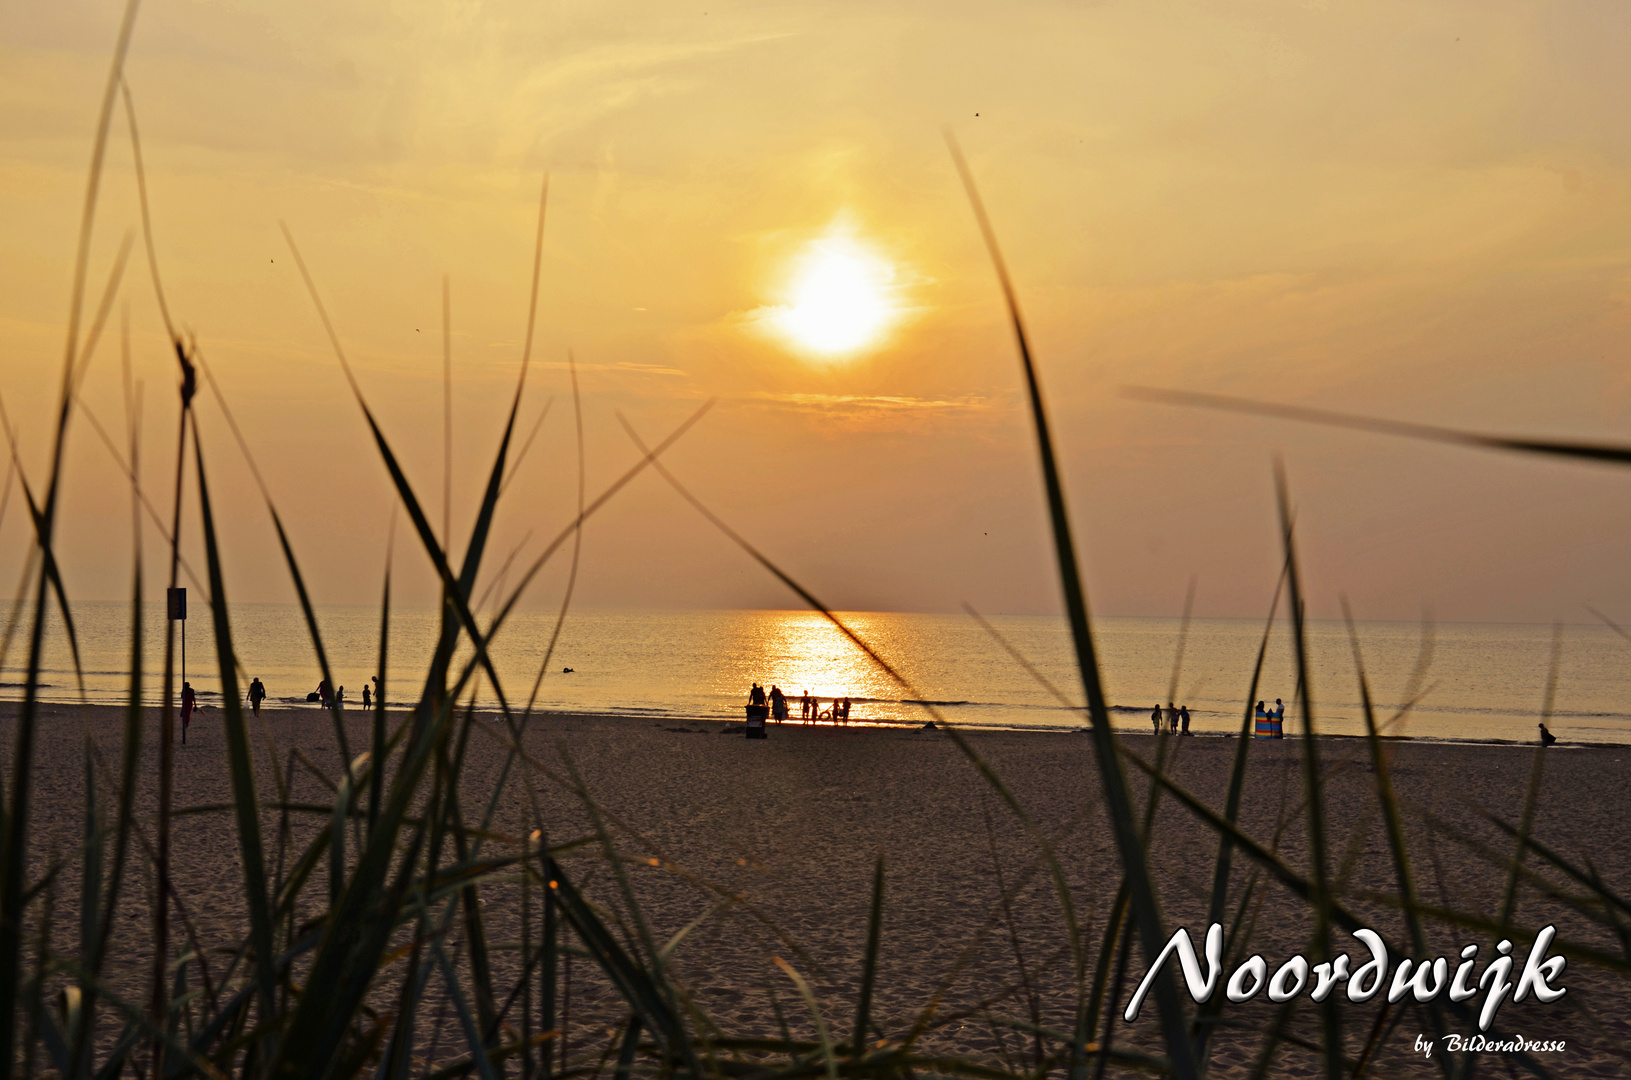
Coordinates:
<point>189,701</point>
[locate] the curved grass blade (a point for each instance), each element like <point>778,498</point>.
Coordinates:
<point>1146,906</point>
<point>829,1059</point>
<point>1604,453</point>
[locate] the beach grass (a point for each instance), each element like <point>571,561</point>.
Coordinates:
<point>356,931</point>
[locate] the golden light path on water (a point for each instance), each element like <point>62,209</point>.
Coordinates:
<point>804,653</point>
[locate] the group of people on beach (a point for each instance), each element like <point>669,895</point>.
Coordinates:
<point>810,709</point>
<point>1269,722</point>
<point>334,698</point>
<point>1175,718</point>
<point>189,703</point>
<point>324,695</point>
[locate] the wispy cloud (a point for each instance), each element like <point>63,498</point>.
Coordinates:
<point>637,369</point>
<point>874,403</point>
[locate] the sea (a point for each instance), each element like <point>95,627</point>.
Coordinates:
<point>1483,682</point>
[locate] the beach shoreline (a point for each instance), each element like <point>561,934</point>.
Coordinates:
<point>354,711</point>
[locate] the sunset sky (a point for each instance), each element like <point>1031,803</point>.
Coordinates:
<point>1420,211</point>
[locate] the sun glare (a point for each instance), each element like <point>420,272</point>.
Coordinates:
<point>838,300</point>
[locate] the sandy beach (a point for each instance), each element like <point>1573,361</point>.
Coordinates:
<point>791,826</point>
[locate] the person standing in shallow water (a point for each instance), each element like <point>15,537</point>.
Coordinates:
<point>1183,719</point>
<point>366,695</point>
<point>1155,718</point>
<point>189,701</point>
<point>257,694</point>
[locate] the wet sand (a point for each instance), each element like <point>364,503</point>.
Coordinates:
<point>789,829</point>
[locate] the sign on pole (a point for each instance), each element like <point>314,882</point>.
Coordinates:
<point>178,604</point>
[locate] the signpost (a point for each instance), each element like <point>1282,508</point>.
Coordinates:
<point>176,603</point>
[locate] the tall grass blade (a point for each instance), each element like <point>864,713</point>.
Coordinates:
<point>1206,1015</point>
<point>1509,899</point>
<point>827,1056</point>
<point>14,841</point>
<point>1314,798</point>
<point>306,609</point>
<point>240,758</point>
<point>376,787</point>
<point>633,982</point>
<point>631,1045</point>
<point>147,218</point>
<point>1393,822</point>
<point>447,415</point>
<point>1146,907</point>
<point>96,950</point>
<point>577,551</point>
<point>869,965</point>
<point>427,536</point>
<point>357,929</point>
<point>1237,772</point>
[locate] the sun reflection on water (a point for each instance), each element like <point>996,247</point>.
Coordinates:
<point>802,652</point>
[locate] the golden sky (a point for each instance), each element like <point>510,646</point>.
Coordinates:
<point>1405,209</point>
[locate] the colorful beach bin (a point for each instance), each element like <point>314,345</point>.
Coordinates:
<point>1269,726</point>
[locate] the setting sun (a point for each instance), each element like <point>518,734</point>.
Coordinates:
<point>838,301</point>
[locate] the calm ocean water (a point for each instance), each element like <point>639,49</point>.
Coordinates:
<point>1485,681</point>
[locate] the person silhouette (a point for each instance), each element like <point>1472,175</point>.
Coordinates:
<point>778,704</point>
<point>1155,718</point>
<point>377,695</point>
<point>257,694</point>
<point>1546,737</point>
<point>846,710</point>
<point>366,695</point>
<point>189,701</point>
<point>1261,727</point>
<point>1183,718</point>
<point>1172,718</point>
